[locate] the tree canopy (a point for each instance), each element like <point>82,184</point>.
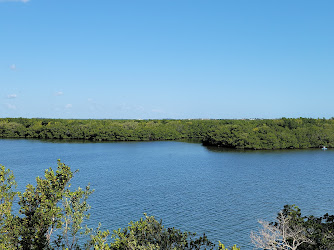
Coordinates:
<point>284,133</point>
<point>292,231</point>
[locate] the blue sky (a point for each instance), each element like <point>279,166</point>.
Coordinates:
<point>154,59</point>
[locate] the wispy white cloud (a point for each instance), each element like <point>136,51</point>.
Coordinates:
<point>10,106</point>
<point>157,111</point>
<point>68,106</point>
<point>13,66</point>
<point>59,93</point>
<point>133,107</point>
<point>11,96</point>
<point>94,106</point>
<point>22,1</point>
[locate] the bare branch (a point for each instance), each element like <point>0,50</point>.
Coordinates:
<point>283,236</point>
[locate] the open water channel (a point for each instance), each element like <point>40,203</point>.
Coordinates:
<point>191,187</point>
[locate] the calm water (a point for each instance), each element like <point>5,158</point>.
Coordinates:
<point>191,187</point>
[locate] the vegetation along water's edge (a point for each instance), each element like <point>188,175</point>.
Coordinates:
<point>283,133</point>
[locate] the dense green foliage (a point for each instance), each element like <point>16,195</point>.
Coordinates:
<point>51,217</point>
<point>44,209</point>
<point>149,233</point>
<point>103,130</point>
<point>292,231</point>
<point>320,230</point>
<point>244,134</point>
<point>273,134</point>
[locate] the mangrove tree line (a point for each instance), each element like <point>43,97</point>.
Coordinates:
<point>281,133</point>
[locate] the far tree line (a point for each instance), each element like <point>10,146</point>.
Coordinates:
<point>283,133</point>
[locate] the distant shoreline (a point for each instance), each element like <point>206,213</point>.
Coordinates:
<point>283,133</point>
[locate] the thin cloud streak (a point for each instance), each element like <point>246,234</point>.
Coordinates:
<point>12,96</point>
<point>10,106</point>
<point>21,1</point>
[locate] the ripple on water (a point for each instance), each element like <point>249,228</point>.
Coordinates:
<point>191,187</point>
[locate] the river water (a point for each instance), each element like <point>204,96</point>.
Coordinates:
<point>191,187</point>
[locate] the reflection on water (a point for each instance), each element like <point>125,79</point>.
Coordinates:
<point>220,191</point>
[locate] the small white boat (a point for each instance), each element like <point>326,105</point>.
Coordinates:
<point>323,148</point>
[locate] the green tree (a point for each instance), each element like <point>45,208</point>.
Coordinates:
<point>43,210</point>
<point>7,227</point>
<point>149,233</point>
<point>294,231</point>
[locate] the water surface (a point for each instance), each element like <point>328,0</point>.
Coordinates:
<point>201,189</point>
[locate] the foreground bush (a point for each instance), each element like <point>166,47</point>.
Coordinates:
<point>293,231</point>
